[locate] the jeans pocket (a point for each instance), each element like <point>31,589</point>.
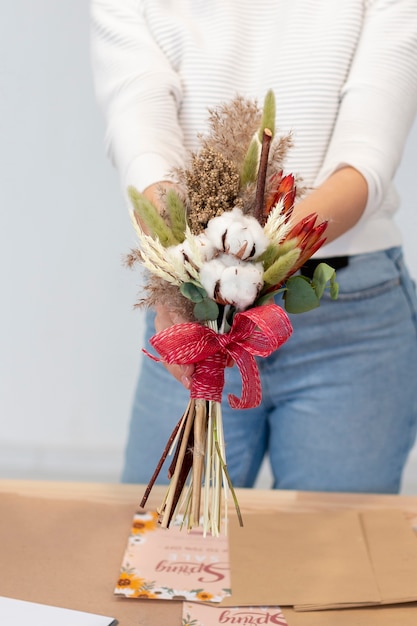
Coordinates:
<point>409,290</point>
<point>369,292</point>
<point>370,275</point>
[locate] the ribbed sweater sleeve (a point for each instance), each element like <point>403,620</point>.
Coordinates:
<point>344,73</point>
<point>379,98</point>
<point>138,91</point>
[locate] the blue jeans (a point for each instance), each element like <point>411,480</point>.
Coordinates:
<point>339,406</point>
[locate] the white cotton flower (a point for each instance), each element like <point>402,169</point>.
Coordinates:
<point>196,249</point>
<point>190,255</point>
<point>199,245</point>
<point>241,285</point>
<point>174,257</point>
<point>245,239</point>
<point>175,253</point>
<point>237,234</point>
<point>217,227</point>
<point>231,281</point>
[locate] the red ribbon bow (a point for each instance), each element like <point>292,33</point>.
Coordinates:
<point>256,332</point>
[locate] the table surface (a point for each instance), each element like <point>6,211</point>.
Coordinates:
<point>250,500</point>
<point>38,532</point>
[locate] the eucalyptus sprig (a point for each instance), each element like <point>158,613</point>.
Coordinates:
<point>205,309</point>
<point>302,295</point>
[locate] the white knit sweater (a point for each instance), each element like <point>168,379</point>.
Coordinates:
<point>344,73</point>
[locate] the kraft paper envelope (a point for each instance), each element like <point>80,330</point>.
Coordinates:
<point>323,560</point>
<point>392,549</point>
<point>299,558</point>
<point>392,546</point>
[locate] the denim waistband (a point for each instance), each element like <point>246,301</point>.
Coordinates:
<point>336,262</point>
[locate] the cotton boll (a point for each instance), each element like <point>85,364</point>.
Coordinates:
<point>241,284</point>
<point>245,238</point>
<point>204,245</point>
<point>260,240</point>
<point>210,276</point>
<point>176,253</point>
<point>217,227</point>
<point>237,234</point>
<point>196,250</point>
<point>231,281</point>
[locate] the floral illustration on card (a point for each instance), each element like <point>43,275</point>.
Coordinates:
<point>188,621</point>
<point>144,522</point>
<point>128,583</point>
<point>172,565</point>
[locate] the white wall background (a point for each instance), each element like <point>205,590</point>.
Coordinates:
<point>69,338</point>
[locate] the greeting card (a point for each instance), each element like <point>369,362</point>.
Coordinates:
<point>169,564</point>
<point>194,614</point>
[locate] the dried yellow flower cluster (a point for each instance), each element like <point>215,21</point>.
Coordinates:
<point>213,185</point>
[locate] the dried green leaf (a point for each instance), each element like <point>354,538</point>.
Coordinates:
<point>280,269</point>
<point>250,164</point>
<point>150,218</point>
<point>269,256</point>
<point>177,214</point>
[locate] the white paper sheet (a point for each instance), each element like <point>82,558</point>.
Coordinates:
<point>21,613</point>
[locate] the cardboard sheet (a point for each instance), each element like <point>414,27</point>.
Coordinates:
<point>67,553</point>
<point>323,560</point>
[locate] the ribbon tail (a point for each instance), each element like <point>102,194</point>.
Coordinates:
<point>251,382</point>
<point>151,356</point>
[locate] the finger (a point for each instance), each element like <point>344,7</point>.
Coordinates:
<point>177,371</point>
<point>164,319</point>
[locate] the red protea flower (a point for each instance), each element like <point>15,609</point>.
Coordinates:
<point>283,189</point>
<point>301,241</point>
<point>309,236</point>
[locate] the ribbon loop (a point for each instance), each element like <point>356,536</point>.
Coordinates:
<point>256,332</point>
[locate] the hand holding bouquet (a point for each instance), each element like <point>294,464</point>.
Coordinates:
<point>223,245</point>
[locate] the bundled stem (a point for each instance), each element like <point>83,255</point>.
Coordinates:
<point>181,471</point>
<point>198,450</point>
<point>200,432</point>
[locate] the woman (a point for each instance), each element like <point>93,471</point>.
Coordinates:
<point>339,408</point>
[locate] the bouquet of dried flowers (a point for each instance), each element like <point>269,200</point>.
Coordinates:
<point>222,246</point>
